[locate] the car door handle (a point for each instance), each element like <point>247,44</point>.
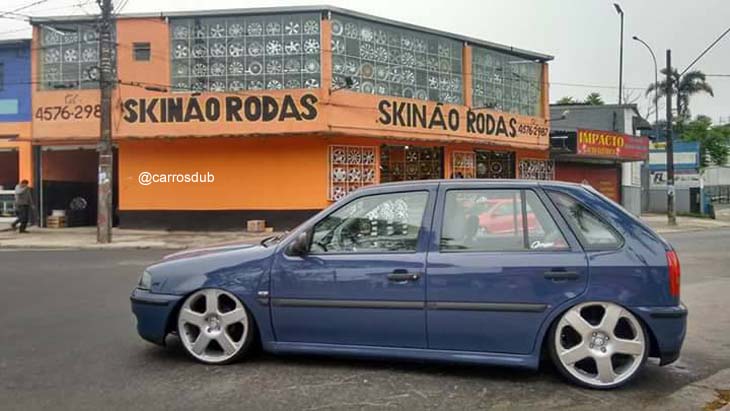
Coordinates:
<point>561,275</point>
<point>403,276</point>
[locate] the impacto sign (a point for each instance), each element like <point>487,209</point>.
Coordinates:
<point>215,109</point>
<point>606,144</point>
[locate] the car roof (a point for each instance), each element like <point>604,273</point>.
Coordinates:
<point>466,182</point>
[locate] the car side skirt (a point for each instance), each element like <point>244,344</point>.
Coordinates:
<point>369,352</point>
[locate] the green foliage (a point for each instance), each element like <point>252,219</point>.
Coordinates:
<point>692,83</point>
<point>714,140</point>
<point>594,99</point>
<point>567,100</point>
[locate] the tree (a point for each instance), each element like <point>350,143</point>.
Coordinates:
<point>692,83</point>
<point>594,99</point>
<point>567,100</point>
<point>714,140</point>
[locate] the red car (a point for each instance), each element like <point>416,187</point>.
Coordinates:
<point>499,217</point>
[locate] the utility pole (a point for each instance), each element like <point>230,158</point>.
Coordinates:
<point>671,213</point>
<point>106,158</point>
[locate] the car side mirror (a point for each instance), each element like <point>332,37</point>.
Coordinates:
<point>300,246</point>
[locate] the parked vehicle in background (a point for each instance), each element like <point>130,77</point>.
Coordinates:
<point>430,270</point>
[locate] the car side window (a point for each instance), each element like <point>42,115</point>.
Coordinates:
<point>495,220</point>
<point>593,231</point>
<point>372,224</point>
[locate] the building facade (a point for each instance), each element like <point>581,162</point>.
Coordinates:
<point>601,146</point>
<point>224,116</point>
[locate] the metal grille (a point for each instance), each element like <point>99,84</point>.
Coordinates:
<point>399,163</point>
<point>536,169</point>
<point>495,164</point>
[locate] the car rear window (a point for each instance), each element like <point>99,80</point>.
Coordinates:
<point>592,231</point>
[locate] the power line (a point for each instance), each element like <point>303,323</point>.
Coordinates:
<point>705,52</point>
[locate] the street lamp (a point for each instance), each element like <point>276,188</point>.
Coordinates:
<point>656,86</point>
<point>621,55</point>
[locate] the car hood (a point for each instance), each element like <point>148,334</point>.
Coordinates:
<point>231,266</point>
<point>216,248</point>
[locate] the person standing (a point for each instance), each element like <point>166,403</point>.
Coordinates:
<point>23,205</point>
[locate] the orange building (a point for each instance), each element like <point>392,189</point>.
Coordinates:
<point>223,116</point>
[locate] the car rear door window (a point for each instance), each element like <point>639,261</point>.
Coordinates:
<point>372,224</point>
<point>495,220</point>
<point>592,231</point>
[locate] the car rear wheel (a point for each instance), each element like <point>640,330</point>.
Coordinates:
<point>214,326</point>
<point>598,345</point>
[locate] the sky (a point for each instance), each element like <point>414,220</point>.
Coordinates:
<point>583,35</point>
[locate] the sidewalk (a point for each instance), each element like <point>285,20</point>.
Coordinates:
<point>85,237</point>
<point>659,223</point>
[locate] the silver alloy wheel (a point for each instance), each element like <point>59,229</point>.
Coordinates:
<point>600,344</point>
<point>213,325</point>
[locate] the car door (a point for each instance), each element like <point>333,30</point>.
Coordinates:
<point>491,292</point>
<point>362,281</point>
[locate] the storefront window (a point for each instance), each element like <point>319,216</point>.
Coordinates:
<point>69,56</point>
<point>235,53</point>
<point>495,164</point>
<point>463,164</point>
<point>536,169</point>
<point>351,167</point>
<point>399,163</point>
<point>505,82</point>
<point>386,60</point>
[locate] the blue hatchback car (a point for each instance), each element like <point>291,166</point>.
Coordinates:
<point>472,271</point>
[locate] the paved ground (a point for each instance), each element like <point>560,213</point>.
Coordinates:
<point>67,341</point>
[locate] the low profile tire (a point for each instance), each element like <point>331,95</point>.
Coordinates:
<point>598,345</point>
<point>215,327</point>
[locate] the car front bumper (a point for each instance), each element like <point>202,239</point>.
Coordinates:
<point>669,326</point>
<point>153,314</point>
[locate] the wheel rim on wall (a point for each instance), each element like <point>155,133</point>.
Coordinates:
<point>213,325</point>
<point>600,344</point>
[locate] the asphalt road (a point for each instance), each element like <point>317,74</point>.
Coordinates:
<point>67,341</point>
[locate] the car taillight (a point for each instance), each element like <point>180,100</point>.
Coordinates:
<point>674,273</point>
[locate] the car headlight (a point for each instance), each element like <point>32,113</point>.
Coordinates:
<point>145,282</point>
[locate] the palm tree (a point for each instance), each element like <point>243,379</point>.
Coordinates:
<point>594,99</point>
<point>693,82</point>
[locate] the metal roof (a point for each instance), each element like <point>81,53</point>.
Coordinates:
<point>305,9</point>
<point>15,42</point>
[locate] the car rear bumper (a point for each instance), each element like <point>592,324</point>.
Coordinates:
<point>153,313</point>
<point>669,326</point>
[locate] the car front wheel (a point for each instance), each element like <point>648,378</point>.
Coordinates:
<point>214,326</point>
<point>598,345</point>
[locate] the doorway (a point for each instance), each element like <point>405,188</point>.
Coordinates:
<point>495,164</point>
<point>402,163</point>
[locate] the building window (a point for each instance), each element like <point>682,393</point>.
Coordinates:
<point>142,51</point>
<point>351,167</point>
<point>495,164</point>
<point>69,56</point>
<point>536,169</point>
<point>506,82</point>
<point>386,60</point>
<point>463,164</point>
<point>400,163</point>
<point>235,53</point>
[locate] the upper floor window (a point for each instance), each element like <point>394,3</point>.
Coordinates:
<point>142,51</point>
<point>235,53</point>
<point>69,56</point>
<point>505,82</point>
<point>386,60</point>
